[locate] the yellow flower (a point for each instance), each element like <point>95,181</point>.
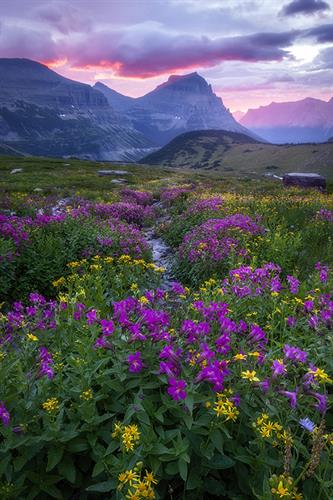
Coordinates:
<point>255,354</point>
<point>321,375</point>
<point>32,337</point>
<point>130,436</point>
<point>58,282</point>
<point>240,357</point>
<point>128,477</point>
<point>134,287</point>
<point>118,429</point>
<point>250,375</point>
<point>149,478</point>
<point>143,300</point>
<point>86,395</point>
<point>51,405</point>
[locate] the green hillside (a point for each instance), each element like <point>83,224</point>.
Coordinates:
<point>231,153</point>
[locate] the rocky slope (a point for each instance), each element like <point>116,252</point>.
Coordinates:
<point>43,113</point>
<point>181,104</point>
<point>308,120</point>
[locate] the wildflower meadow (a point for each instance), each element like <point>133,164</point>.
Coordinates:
<point>118,383</point>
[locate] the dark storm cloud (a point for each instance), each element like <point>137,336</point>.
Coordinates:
<point>307,7</point>
<point>323,33</point>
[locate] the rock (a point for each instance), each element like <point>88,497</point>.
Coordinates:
<point>118,181</point>
<point>16,170</point>
<point>112,172</point>
<point>304,179</point>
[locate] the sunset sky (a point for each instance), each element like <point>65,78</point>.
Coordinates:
<point>252,52</point>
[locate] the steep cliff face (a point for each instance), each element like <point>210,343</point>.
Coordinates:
<point>181,104</point>
<point>43,113</point>
<point>117,101</point>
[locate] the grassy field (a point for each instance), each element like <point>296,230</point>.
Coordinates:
<point>227,156</point>
<point>65,178</point>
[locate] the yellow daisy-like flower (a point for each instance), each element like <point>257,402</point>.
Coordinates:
<point>321,375</point>
<point>239,357</point>
<point>32,337</point>
<point>250,375</point>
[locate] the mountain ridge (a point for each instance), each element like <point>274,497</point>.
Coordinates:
<point>306,120</point>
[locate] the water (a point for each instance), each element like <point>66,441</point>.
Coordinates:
<point>162,253</point>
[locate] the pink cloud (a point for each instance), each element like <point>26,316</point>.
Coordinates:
<point>150,54</point>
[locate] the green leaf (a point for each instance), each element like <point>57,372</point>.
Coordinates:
<point>160,449</point>
<point>54,456</point>
<point>217,439</point>
<point>219,461</point>
<point>102,487</point>
<point>194,481</point>
<point>51,490</point>
<point>98,469</point>
<point>67,469</point>
<point>182,468</point>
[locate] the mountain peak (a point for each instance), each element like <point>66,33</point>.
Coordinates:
<point>191,81</point>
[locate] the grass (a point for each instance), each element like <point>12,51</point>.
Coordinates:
<point>63,177</point>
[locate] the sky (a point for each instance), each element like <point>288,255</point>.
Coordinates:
<point>252,52</point>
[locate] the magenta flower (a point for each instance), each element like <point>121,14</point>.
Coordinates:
<point>293,284</point>
<point>321,406</point>
<point>264,385</point>
<point>107,326</point>
<point>176,389</point>
<point>4,414</point>
<point>91,317</point>
<point>46,362</point>
<point>135,362</point>
<point>278,368</point>
<point>292,396</point>
<point>102,343</point>
<point>295,354</point>
<point>291,321</point>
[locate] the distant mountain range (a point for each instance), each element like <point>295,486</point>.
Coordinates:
<point>308,120</point>
<point>45,114</point>
<point>232,153</point>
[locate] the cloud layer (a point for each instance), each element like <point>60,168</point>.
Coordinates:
<point>134,44</point>
<point>307,7</point>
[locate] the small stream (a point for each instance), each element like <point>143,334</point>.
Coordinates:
<point>162,253</point>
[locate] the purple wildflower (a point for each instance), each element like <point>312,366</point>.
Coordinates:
<point>176,389</point>
<point>4,414</point>
<point>278,368</point>
<point>293,284</point>
<point>307,424</point>
<point>321,406</point>
<point>135,362</point>
<point>292,396</point>
<point>91,317</point>
<point>46,362</point>
<point>295,354</point>
<point>107,326</point>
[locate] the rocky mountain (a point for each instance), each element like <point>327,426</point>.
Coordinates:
<point>117,101</point>
<point>307,120</point>
<point>181,104</point>
<point>45,114</point>
<point>230,153</point>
